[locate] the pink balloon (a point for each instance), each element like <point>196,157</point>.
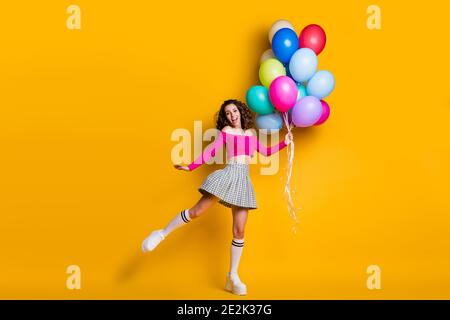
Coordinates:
<point>283,93</point>
<point>325,113</point>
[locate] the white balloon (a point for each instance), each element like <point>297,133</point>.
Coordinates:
<point>277,25</point>
<point>268,54</point>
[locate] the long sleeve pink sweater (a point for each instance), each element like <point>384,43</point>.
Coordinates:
<point>236,145</point>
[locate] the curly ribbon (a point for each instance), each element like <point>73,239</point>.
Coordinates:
<point>287,188</point>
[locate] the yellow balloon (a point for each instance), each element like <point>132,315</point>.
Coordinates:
<point>269,70</point>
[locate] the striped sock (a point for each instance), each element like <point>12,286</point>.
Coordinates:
<point>236,251</point>
<point>180,220</point>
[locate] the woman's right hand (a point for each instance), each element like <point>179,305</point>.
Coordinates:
<point>289,138</point>
<point>180,167</point>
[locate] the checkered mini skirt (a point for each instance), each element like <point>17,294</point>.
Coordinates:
<point>232,185</point>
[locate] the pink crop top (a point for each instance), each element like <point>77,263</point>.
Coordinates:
<point>236,145</point>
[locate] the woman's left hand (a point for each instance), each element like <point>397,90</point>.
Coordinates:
<point>288,138</point>
<point>180,167</point>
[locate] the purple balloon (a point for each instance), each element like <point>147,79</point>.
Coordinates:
<point>306,112</point>
<point>325,113</point>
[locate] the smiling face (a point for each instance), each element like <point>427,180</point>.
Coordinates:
<point>236,114</point>
<point>233,115</point>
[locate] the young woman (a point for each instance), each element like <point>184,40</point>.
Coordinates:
<point>230,186</point>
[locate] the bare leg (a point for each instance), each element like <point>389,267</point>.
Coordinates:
<point>205,202</point>
<point>239,220</point>
<point>185,216</point>
<point>234,283</point>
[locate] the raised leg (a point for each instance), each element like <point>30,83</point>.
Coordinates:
<point>181,219</point>
<point>205,202</point>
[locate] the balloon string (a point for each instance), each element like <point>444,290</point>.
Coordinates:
<point>287,188</point>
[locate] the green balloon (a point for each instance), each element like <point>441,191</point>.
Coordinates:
<point>301,91</point>
<point>258,100</point>
<point>270,70</point>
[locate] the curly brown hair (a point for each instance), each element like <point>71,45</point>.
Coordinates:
<point>247,121</point>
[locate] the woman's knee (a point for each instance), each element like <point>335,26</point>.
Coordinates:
<point>238,232</point>
<point>194,212</point>
<point>202,205</point>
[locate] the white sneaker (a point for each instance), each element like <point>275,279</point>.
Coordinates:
<point>152,240</point>
<point>235,285</point>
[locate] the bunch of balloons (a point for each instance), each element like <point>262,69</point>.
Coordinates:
<point>291,86</point>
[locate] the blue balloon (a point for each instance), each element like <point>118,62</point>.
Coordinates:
<point>286,67</point>
<point>258,100</point>
<point>321,84</point>
<point>303,64</point>
<point>271,122</point>
<point>301,91</point>
<point>284,44</point>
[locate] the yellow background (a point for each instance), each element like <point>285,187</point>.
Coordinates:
<point>86,174</point>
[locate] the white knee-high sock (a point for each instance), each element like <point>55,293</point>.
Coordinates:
<point>236,251</point>
<point>179,220</point>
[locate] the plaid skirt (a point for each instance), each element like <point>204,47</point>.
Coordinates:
<point>232,185</point>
